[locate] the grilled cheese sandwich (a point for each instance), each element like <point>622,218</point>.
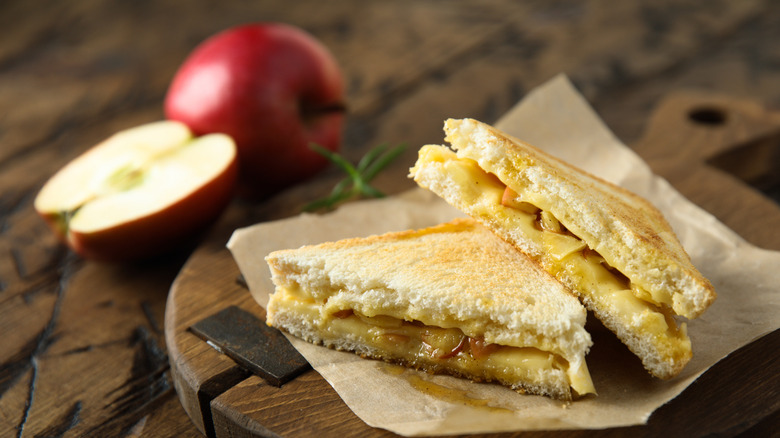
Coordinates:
<point>453,298</point>
<point>611,247</point>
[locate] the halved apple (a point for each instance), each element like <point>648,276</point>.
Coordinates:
<point>140,192</point>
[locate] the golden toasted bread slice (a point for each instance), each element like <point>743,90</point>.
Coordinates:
<point>610,246</point>
<point>453,298</point>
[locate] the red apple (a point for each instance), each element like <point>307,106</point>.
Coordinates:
<point>140,192</point>
<point>274,89</point>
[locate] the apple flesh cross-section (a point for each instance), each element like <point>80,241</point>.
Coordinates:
<point>140,192</point>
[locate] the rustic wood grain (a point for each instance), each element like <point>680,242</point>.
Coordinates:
<point>82,350</point>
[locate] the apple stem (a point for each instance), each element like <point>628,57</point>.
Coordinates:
<point>309,112</point>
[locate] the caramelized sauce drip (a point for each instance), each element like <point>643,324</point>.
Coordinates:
<point>441,392</point>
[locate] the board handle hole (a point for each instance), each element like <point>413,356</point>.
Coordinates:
<point>708,116</point>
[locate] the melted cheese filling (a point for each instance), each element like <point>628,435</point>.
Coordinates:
<point>565,256</point>
<point>426,346</point>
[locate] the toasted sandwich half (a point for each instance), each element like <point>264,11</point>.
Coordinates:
<point>608,245</point>
<point>453,299</point>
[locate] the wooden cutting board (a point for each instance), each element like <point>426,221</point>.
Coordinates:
<point>707,147</point>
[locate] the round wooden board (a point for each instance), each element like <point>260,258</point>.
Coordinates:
<point>687,133</point>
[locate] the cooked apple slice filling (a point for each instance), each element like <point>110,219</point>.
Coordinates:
<point>641,319</point>
<point>427,347</point>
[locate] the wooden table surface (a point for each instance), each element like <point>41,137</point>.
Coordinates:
<point>82,350</point>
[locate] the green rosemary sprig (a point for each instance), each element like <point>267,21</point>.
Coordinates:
<point>357,183</point>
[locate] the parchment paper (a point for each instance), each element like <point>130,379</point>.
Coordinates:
<point>558,119</point>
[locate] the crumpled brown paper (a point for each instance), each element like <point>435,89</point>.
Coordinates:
<point>558,119</point>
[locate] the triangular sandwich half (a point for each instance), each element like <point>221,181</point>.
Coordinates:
<point>611,247</point>
<point>453,298</point>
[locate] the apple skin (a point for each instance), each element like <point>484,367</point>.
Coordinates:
<point>275,90</point>
<point>161,232</point>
